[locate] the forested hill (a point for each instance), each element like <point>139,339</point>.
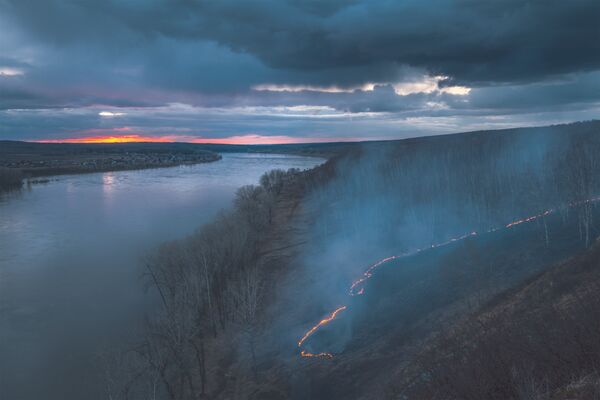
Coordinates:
<point>415,192</point>
<point>448,223</point>
<point>452,224</point>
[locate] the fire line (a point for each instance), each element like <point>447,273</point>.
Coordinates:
<point>357,286</point>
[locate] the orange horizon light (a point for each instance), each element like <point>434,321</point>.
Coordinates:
<point>240,139</point>
<point>109,139</point>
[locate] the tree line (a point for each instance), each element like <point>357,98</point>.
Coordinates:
<point>408,194</point>
<point>210,286</point>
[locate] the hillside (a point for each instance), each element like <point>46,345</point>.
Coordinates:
<point>360,215</point>
<point>539,340</point>
<point>393,335</point>
<point>461,223</point>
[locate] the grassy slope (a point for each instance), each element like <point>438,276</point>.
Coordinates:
<point>407,305</point>
<point>540,339</point>
<point>395,350</point>
<point>389,341</point>
<point>408,309</point>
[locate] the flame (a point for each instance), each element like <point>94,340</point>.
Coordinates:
<point>324,321</point>
<point>306,354</point>
<point>312,330</point>
<point>358,283</point>
<point>369,272</point>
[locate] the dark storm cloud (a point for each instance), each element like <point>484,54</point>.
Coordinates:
<point>470,40</point>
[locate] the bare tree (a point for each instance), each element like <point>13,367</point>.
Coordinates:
<point>273,181</point>
<point>251,202</point>
<point>245,294</point>
<point>579,170</point>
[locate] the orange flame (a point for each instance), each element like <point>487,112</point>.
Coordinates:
<point>324,321</point>
<point>306,354</point>
<point>371,270</point>
<point>312,330</point>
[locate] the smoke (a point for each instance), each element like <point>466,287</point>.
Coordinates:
<point>388,198</point>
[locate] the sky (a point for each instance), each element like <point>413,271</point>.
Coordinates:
<point>283,71</point>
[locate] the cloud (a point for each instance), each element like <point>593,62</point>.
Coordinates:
<point>469,40</point>
<point>310,88</point>
<point>9,71</point>
<point>344,60</point>
<point>110,114</point>
<point>294,123</point>
<point>425,84</point>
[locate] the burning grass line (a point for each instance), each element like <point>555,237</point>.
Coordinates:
<point>324,321</point>
<point>358,283</point>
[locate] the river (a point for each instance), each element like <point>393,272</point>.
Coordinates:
<point>70,264</point>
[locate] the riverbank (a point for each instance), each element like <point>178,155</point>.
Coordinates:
<point>20,160</point>
<point>113,162</point>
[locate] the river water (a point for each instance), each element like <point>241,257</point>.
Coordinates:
<point>70,255</point>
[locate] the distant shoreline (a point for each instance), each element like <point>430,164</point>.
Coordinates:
<point>20,161</point>
<point>27,176</point>
<point>16,177</point>
<point>76,170</point>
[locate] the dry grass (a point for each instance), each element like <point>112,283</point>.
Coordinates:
<point>535,344</point>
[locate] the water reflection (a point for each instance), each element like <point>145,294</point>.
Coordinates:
<point>108,180</point>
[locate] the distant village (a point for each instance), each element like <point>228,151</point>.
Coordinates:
<point>129,160</point>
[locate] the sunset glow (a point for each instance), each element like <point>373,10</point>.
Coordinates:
<point>241,139</point>
<point>108,139</point>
